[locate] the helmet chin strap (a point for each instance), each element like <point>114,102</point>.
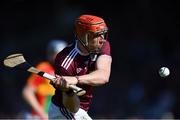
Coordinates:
<point>93,54</point>
<point>84,45</point>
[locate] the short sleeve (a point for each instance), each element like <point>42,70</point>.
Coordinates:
<point>106,49</point>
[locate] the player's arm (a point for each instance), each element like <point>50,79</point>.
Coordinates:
<point>29,95</point>
<point>30,90</point>
<point>98,77</point>
<point>70,100</point>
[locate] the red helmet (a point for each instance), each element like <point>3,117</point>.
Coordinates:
<point>90,23</point>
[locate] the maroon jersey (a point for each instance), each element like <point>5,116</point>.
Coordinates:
<point>71,62</point>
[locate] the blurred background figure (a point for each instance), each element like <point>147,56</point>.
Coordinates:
<point>37,91</point>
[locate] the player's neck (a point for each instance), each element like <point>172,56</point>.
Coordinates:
<point>81,49</point>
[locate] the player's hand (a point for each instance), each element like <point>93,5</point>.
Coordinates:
<point>60,83</point>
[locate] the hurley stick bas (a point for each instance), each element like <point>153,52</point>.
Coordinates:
<point>18,61</point>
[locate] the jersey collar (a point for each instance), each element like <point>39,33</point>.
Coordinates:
<point>83,54</point>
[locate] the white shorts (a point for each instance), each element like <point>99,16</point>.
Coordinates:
<point>56,112</point>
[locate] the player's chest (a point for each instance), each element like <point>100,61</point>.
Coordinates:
<point>84,66</point>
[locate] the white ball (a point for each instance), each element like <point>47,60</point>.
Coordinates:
<point>164,72</point>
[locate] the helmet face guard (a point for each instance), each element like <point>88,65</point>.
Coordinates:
<point>87,25</point>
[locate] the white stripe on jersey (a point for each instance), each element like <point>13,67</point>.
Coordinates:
<point>67,57</point>
<point>72,60</point>
<point>68,60</point>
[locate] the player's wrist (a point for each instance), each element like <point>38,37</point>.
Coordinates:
<point>77,78</point>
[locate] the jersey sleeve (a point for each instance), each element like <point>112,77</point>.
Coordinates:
<point>106,49</point>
